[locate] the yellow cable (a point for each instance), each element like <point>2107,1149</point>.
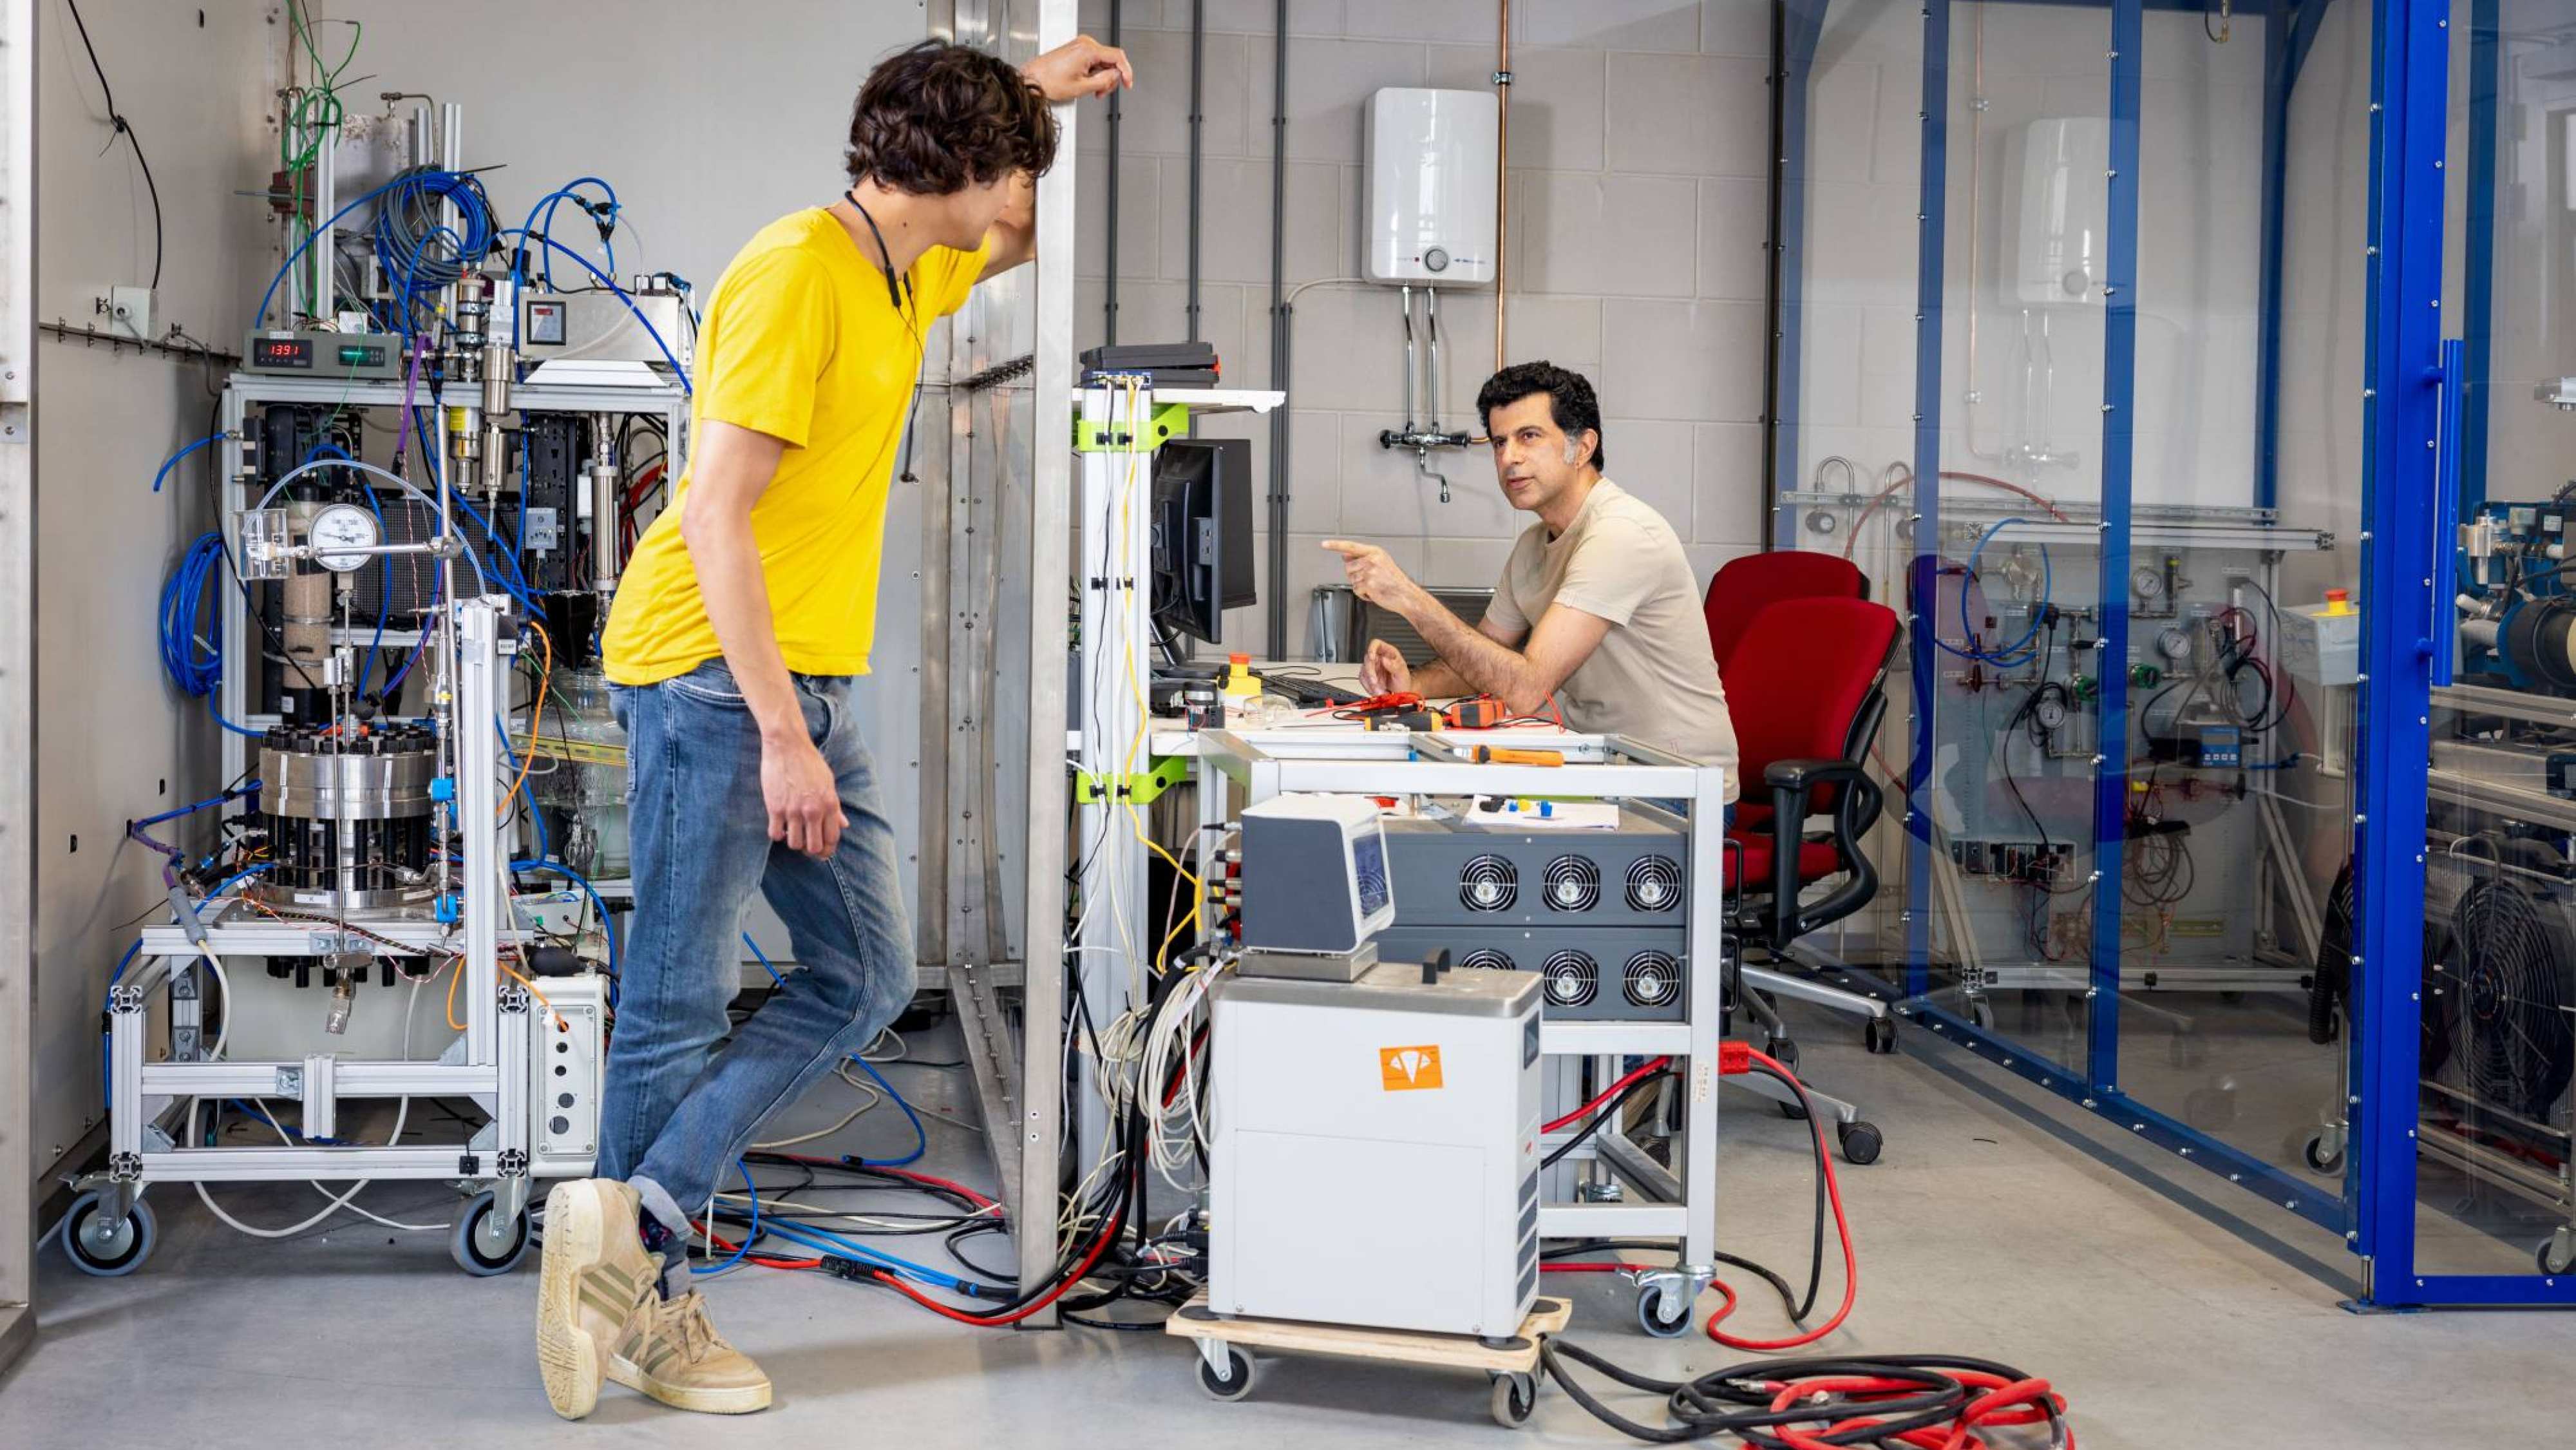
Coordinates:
<point>536,717</point>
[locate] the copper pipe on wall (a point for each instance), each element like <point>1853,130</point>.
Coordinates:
<point>1502,175</point>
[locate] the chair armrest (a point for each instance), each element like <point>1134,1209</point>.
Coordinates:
<point>1804,775</point>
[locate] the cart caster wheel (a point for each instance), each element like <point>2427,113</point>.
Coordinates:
<point>1651,1315</point>
<point>1981,1015</point>
<point>1860,1142</point>
<point>1238,1377</point>
<point>483,1246</point>
<point>104,1247</point>
<point>2319,1156</point>
<point>1880,1037</point>
<point>1792,1111</point>
<point>1515,1395</point>
<point>2557,1253</point>
<point>1785,1052</point>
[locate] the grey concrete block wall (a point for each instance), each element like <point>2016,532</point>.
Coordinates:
<point>1638,133</point>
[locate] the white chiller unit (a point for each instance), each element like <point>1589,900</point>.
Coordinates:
<point>1375,1152</point>
<point>1433,164</point>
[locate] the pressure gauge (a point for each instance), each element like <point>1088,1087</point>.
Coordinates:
<point>339,535</point>
<point>2147,583</point>
<point>2172,643</point>
<point>2050,712</point>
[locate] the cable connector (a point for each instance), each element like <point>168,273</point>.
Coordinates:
<point>1734,1059</point>
<point>850,1269</point>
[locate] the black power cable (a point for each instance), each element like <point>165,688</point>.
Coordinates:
<point>125,129</point>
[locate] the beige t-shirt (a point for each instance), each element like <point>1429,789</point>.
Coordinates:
<point>1654,677</point>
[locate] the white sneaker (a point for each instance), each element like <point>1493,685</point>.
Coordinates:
<point>596,1282</point>
<point>672,1353</point>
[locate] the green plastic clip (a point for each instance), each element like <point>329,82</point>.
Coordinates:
<point>1141,789</point>
<point>1168,420</point>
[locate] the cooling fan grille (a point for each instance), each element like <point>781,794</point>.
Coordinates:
<point>1654,884</point>
<point>1488,883</point>
<point>1573,884</point>
<point>1573,979</point>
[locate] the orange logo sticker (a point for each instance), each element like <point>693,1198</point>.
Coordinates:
<point>1409,1069</point>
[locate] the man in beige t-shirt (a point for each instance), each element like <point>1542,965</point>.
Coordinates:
<point>1597,603</point>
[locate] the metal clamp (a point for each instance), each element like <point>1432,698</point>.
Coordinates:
<point>1141,788</point>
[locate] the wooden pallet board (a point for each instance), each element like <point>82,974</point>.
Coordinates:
<point>1454,1351</point>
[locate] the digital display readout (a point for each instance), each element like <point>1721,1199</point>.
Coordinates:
<point>283,352</point>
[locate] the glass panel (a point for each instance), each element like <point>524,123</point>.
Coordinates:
<point>2498,1038</point>
<point>1844,439</point>
<point>2007,588</point>
<point>2236,817</point>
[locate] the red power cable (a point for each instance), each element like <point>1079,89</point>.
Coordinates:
<point>1108,1235</point>
<point>1842,1228</point>
<point>1616,1088</point>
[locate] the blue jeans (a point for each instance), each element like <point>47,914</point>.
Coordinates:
<point>676,1113</point>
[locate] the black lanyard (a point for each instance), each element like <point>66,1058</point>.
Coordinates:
<point>899,294</point>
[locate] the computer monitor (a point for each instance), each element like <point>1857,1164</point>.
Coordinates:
<point>1202,526</point>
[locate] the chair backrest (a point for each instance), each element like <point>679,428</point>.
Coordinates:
<point>1799,677</point>
<point>1742,587</point>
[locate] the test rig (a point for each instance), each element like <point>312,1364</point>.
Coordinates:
<point>381,816</point>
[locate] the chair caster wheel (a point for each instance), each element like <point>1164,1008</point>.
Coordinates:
<point>1861,1142</point>
<point>109,1249</point>
<point>1515,1395</point>
<point>1880,1036</point>
<point>1238,1377</point>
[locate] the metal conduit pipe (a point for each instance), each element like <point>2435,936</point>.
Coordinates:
<point>1279,319</point>
<point>1502,175</point>
<point>1198,119</point>
<point>1109,289</point>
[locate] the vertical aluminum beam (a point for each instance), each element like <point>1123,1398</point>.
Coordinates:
<point>17,680</point>
<point>478,699</point>
<point>1050,560</point>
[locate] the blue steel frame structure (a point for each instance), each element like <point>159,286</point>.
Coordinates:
<point>2409,458</point>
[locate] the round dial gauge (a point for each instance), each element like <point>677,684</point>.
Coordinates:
<point>2147,583</point>
<point>343,527</point>
<point>2050,712</point>
<point>2173,643</point>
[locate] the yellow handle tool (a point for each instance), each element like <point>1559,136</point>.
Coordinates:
<point>1504,755</point>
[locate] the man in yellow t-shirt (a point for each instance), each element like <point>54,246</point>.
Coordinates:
<point>746,612</point>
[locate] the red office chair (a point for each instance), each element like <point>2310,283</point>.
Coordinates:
<point>1742,588</point>
<point>1804,685</point>
<point>1805,680</point>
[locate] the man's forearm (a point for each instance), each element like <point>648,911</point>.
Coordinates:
<point>727,560</point>
<point>1472,661</point>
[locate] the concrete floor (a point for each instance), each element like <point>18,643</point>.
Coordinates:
<point>2172,1309</point>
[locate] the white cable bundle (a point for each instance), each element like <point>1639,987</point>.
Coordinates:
<point>1176,1134</point>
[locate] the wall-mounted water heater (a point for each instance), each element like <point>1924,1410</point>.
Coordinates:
<point>1432,170</point>
<point>2064,224</point>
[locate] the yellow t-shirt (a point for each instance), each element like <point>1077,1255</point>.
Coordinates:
<point>801,343</point>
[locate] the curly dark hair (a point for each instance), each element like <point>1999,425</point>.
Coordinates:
<point>1569,400</point>
<point>936,118</point>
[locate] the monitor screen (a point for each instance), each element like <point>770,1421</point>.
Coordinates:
<point>1202,528</point>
